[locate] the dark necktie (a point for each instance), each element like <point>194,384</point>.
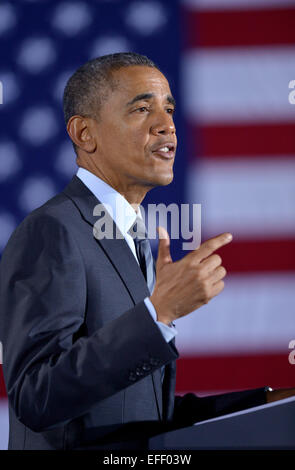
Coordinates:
<point>144,252</point>
<point>145,259</point>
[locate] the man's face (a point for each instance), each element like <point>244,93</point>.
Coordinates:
<point>135,129</point>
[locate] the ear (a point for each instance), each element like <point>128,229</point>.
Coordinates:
<point>79,129</point>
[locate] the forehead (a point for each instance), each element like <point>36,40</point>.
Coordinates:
<point>134,80</point>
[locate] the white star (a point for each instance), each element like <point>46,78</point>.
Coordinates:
<point>146,17</point>
<point>36,54</point>
<point>9,160</point>
<point>71,18</point>
<point>38,125</point>
<point>7,17</point>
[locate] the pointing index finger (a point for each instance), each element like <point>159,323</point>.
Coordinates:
<point>211,245</point>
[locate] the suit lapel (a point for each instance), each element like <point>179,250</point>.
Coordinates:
<point>116,249</point>
<point>120,255</point>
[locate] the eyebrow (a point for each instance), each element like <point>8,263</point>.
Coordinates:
<point>148,96</point>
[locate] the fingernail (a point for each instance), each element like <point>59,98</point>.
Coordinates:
<point>160,232</point>
<point>229,236</point>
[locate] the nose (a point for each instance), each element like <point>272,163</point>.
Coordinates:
<point>163,124</point>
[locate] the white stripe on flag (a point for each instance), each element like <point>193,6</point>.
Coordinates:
<point>248,197</point>
<point>253,313</point>
<point>240,84</point>
<point>4,427</point>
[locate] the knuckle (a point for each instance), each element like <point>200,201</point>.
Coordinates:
<point>215,260</point>
<point>218,259</point>
<point>192,263</point>
<point>220,286</point>
<point>222,270</point>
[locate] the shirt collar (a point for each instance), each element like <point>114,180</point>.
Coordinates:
<point>118,207</point>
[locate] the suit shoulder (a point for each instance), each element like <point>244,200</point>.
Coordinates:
<point>51,220</point>
<point>57,208</point>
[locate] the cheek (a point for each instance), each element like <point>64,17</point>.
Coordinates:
<point>130,139</point>
<point>136,139</point>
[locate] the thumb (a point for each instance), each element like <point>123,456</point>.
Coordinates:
<point>164,255</point>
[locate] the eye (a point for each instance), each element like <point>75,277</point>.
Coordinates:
<point>170,110</point>
<point>142,109</point>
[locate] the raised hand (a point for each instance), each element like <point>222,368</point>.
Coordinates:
<point>187,284</point>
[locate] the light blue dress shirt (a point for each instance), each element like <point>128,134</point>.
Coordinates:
<point>124,217</point>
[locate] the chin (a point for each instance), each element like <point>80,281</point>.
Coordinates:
<point>163,179</point>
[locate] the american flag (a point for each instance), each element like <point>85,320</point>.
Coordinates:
<point>41,44</point>
<point>229,63</point>
<point>238,61</point>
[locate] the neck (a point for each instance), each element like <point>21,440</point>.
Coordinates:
<point>133,192</point>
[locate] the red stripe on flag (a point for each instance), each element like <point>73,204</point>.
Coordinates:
<point>2,384</point>
<point>229,28</point>
<point>243,140</point>
<point>234,372</point>
<point>259,256</point>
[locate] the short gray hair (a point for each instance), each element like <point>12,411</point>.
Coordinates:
<point>88,87</point>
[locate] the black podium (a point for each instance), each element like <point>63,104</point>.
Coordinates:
<point>270,426</point>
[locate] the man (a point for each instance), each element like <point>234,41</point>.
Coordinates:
<point>88,336</point>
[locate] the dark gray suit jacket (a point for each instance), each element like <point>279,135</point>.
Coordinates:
<point>82,355</point>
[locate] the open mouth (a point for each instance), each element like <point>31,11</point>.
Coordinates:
<point>166,151</point>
